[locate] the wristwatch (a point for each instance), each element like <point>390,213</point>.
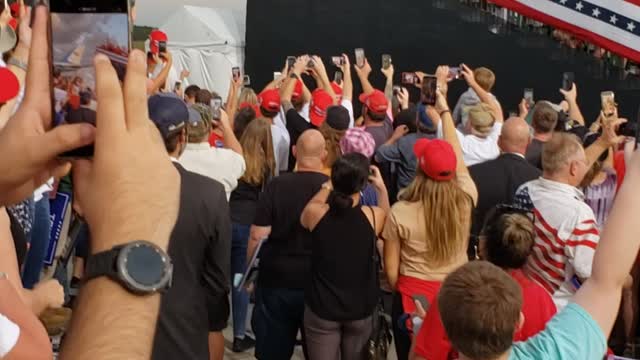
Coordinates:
<point>141,267</point>
<point>294,76</point>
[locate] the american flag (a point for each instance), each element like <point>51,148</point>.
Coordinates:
<point>611,24</point>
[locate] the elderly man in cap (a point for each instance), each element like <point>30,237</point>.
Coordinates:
<point>195,309</point>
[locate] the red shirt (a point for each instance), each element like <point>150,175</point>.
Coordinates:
<point>620,166</point>
<point>538,308</point>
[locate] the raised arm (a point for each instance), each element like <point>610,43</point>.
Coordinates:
<point>615,255</point>
<point>484,96</point>
<point>286,91</point>
<point>157,83</point>
<point>311,214</point>
<point>608,139</point>
<point>363,75</point>
<point>347,80</point>
<point>232,98</point>
<point>322,78</point>
<point>388,85</point>
<point>571,97</point>
<point>448,128</point>
<point>230,140</point>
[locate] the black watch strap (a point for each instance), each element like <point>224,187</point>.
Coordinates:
<point>102,264</point>
<point>294,76</point>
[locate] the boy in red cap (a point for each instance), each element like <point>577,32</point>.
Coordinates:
<point>160,64</point>
<point>269,100</point>
<point>374,108</point>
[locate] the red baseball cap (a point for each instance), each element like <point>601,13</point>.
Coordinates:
<point>249,105</point>
<point>10,85</point>
<point>155,38</point>
<point>436,158</point>
<point>376,102</point>
<point>13,23</point>
<point>270,100</point>
<point>320,102</point>
<point>297,91</point>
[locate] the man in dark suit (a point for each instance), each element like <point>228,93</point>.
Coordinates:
<point>497,180</point>
<point>194,311</point>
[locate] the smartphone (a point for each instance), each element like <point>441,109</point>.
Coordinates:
<point>310,64</point>
<point>396,90</point>
<point>246,80</point>
<point>386,61</point>
<point>216,105</point>
<point>236,72</point>
<point>409,78</point>
<point>455,72</point>
<point>291,60</point>
<point>608,100</point>
<point>567,80</point>
<point>360,59</point>
<point>99,26</point>
<point>162,47</point>
<point>423,301</point>
<point>337,78</point>
<point>337,60</point>
<point>429,88</point>
<point>177,86</point>
<point>528,96</point>
<point>276,75</point>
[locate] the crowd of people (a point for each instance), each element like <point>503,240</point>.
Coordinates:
<point>445,227</point>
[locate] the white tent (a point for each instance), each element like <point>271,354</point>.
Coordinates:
<point>208,42</point>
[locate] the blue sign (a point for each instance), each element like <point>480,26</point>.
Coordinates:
<point>59,207</point>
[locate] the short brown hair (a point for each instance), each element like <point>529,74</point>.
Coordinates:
<point>558,151</point>
<point>485,78</point>
<point>480,309</point>
<point>205,96</point>
<point>544,118</point>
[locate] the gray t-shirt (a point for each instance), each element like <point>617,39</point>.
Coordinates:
<point>381,133</point>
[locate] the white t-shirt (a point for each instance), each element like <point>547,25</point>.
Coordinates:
<point>223,165</point>
<point>476,150</point>
<point>9,334</point>
<point>172,77</point>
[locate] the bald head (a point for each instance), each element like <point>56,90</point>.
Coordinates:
<point>310,150</point>
<point>515,136</point>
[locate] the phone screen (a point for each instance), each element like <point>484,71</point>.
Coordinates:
<point>216,105</point>
<point>359,57</point>
<point>567,80</point>
<point>608,100</point>
<point>429,88</point>
<point>80,29</point>
<point>423,301</point>
<point>337,60</point>
<point>276,75</point>
<point>386,61</point>
<point>235,71</point>
<point>528,96</point>
<point>246,80</point>
<point>337,78</point>
<point>162,47</point>
<point>408,78</point>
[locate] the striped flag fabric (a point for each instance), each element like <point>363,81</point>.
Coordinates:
<point>611,24</point>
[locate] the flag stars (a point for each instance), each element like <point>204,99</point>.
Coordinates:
<point>563,2</point>
<point>631,26</point>
<point>613,19</point>
<point>596,12</point>
<point>579,6</point>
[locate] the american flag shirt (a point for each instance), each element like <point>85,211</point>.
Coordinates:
<point>566,236</point>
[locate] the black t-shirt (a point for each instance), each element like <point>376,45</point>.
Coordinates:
<point>344,282</point>
<point>296,125</point>
<point>200,249</point>
<point>243,202</point>
<point>285,259</point>
<point>534,153</point>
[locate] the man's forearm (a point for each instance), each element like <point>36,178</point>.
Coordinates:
<point>347,87</point>
<point>383,199</point>
<point>388,89</point>
<point>106,312</point>
<point>367,88</point>
<point>230,140</point>
<point>594,151</point>
<point>575,113</point>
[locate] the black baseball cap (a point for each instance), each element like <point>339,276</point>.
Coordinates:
<point>169,113</point>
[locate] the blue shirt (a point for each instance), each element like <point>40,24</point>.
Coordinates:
<point>402,154</point>
<point>571,334</point>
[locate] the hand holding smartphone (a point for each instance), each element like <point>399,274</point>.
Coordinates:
<point>429,89</point>
<point>386,61</point>
<point>73,51</point>
<point>235,71</point>
<point>409,78</point>
<point>337,61</point>
<point>608,101</point>
<point>338,77</point>
<point>528,97</point>
<point>568,79</point>
<point>291,60</point>
<point>360,57</point>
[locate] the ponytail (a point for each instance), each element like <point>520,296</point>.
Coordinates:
<point>338,201</point>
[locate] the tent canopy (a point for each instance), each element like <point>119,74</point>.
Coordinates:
<point>208,42</point>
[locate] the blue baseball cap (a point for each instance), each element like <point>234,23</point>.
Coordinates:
<point>424,119</point>
<point>169,113</point>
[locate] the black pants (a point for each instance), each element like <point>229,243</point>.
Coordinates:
<point>400,336</point>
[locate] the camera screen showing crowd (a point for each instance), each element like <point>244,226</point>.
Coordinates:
<point>143,213</point>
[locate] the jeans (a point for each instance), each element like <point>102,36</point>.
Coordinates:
<point>239,297</point>
<point>40,236</point>
<point>277,318</point>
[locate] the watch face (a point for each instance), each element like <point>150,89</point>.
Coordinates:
<point>144,267</point>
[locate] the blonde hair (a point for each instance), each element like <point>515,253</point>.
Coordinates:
<point>332,137</point>
<point>249,96</point>
<point>482,119</point>
<point>447,214</point>
<point>257,147</point>
<point>485,78</point>
<point>558,151</point>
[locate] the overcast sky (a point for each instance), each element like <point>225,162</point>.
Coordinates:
<point>154,12</point>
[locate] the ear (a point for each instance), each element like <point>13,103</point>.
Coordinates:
<point>572,168</point>
<point>520,322</point>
